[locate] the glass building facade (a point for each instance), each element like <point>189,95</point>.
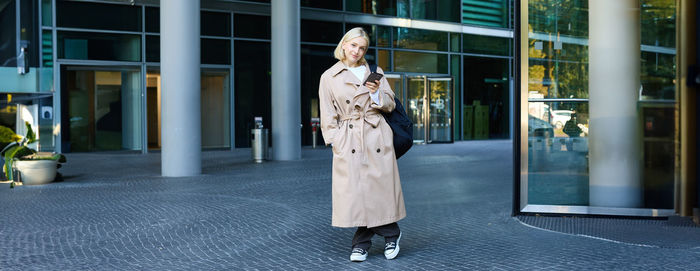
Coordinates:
<point>95,65</point>
<point>563,166</point>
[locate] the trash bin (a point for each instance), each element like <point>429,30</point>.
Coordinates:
<point>259,144</point>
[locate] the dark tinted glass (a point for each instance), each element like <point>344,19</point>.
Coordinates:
<point>455,40</point>
<point>98,16</point>
<point>420,39</point>
<point>99,46</point>
<point>216,51</point>
<point>215,24</point>
<point>152,48</point>
<point>8,37</point>
<point>420,62</point>
<point>477,44</point>
<point>251,26</point>
<point>252,82</point>
<point>320,31</point>
<point>378,35</point>
<point>325,4</point>
<point>486,88</point>
<point>314,61</point>
<point>257,1</point>
<point>152,19</point>
<point>440,10</point>
<point>377,7</point>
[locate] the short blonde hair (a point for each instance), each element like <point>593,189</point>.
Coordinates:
<point>351,34</point>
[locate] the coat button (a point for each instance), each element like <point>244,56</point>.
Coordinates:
<point>350,126</point>
<point>353,150</point>
<point>347,101</point>
<point>377,150</point>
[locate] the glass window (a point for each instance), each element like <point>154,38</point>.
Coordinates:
<point>252,84</point>
<point>658,76</point>
<point>376,7</point>
<point>101,109</point>
<point>152,48</point>
<point>215,24</point>
<point>455,71</point>
<point>420,62</point>
<point>8,36</point>
<point>492,13</point>
<point>314,61</point>
<point>321,31</point>
<point>153,19</point>
<point>325,4</point>
<point>440,10</point>
<point>251,26</point>
<point>384,59</point>
<point>98,16</point>
<point>477,44</point>
<point>29,31</point>
<point>215,109</point>
<point>216,51</point>
<point>659,22</point>
<point>46,13</point>
<point>455,42</point>
<point>99,46</point>
<point>486,98</point>
<point>420,39</point>
<point>611,144</point>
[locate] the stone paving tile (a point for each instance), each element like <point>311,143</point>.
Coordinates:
<point>114,212</point>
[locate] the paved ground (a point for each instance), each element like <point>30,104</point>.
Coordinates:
<point>113,211</point>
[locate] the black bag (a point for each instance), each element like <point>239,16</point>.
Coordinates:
<point>400,124</point>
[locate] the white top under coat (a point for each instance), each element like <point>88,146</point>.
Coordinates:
<point>359,72</point>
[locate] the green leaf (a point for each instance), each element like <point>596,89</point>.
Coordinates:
<point>31,137</point>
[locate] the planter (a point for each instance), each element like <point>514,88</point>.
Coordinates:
<point>36,171</point>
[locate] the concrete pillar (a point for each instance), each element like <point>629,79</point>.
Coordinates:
<point>615,136</point>
<point>181,143</point>
<point>286,84</point>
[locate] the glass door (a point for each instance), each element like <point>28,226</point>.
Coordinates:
<point>440,109</point>
<point>416,107</point>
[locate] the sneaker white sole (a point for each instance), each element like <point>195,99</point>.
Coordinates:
<point>358,258</point>
<point>394,253</point>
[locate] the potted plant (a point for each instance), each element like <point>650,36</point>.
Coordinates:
<point>33,167</point>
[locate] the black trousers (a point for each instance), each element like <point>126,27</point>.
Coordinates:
<point>363,235</point>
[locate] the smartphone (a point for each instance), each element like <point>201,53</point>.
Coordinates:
<point>373,77</point>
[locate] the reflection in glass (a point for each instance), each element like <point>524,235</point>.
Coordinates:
<point>324,4</point>
<point>8,42</point>
<point>99,46</point>
<point>477,44</point>
<point>440,109</point>
<point>442,10</point>
<point>420,62</point>
<point>415,107</point>
<point>216,51</point>
<point>658,76</point>
<point>215,24</point>
<point>384,59</point>
<point>420,39</point>
<point>102,110</point>
<point>396,84</point>
<point>376,7</point>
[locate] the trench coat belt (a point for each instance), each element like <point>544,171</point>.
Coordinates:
<point>371,117</point>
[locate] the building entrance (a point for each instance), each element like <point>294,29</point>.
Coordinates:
<point>428,102</point>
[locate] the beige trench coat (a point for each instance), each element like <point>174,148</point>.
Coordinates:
<point>366,185</point>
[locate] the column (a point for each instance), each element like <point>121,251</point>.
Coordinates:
<point>181,143</point>
<point>286,87</point>
<point>615,136</point>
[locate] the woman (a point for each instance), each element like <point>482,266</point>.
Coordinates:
<point>366,186</point>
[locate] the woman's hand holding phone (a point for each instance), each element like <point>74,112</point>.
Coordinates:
<point>372,81</point>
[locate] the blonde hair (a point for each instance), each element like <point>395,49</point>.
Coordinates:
<point>351,34</point>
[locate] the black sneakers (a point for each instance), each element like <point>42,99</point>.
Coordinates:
<point>391,249</point>
<point>358,255</point>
